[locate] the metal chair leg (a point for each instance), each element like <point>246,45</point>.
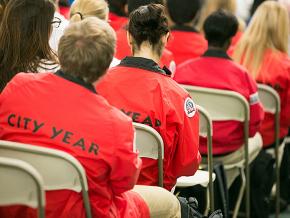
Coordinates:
<point>240,196</point>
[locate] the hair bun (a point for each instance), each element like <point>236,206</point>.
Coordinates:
<point>148,23</point>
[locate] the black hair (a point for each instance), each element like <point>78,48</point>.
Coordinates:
<point>219,27</point>
<point>183,11</point>
<point>255,5</point>
<point>117,7</point>
<point>134,4</point>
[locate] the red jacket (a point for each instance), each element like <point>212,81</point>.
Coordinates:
<point>123,50</point>
<point>216,70</point>
<point>185,43</point>
<point>275,71</point>
<point>61,112</point>
<point>116,21</point>
<point>144,92</point>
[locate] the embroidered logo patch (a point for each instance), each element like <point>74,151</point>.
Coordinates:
<point>189,107</point>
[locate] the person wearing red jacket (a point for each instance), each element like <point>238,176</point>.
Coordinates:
<point>216,70</point>
<point>124,49</point>
<point>145,92</point>
<point>117,15</point>
<point>266,39</point>
<point>185,41</point>
<point>63,111</point>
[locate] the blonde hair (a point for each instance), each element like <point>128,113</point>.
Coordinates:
<point>81,9</point>
<point>268,29</point>
<point>211,6</point>
<point>87,48</point>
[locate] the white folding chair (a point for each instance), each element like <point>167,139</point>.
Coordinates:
<point>58,169</point>
<point>21,184</point>
<point>225,105</point>
<point>271,102</point>
<point>202,177</point>
<point>150,145</point>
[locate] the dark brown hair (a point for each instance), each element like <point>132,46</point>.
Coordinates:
<point>148,23</point>
<point>24,37</point>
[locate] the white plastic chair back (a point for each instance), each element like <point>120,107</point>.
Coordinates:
<point>271,102</point>
<point>150,145</point>
<point>223,105</point>
<point>21,184</point>
<point>58,169</point>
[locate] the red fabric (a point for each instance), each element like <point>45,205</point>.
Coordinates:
<point>91,130</point>
<point>221,73</point>
<point>123,50</point>
<point>156,100</point>
<point>275,71</point>
<point>116,21</point>
<point>186,45</point>
<point>64,11</point>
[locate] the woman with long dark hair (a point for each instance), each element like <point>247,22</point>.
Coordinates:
<point>24,37</point>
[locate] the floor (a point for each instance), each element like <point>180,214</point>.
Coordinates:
<point>284,214</point>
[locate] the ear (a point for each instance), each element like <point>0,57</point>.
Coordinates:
<point>165,39</point>
<point>129,40</point>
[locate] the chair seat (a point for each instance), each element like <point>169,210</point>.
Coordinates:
<point>201,177</point>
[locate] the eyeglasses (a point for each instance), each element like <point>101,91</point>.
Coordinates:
<point>56,22</point>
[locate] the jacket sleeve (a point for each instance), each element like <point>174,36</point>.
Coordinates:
<point>126,165</point>
<point>256,108</point>
<point>187,157</point>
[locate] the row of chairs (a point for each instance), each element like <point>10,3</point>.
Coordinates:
<point>220,105</point>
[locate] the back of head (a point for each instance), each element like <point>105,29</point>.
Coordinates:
<point>81,9</point>
<point>220,27</point>
<point>24,36</point>
<point>148,24</point>
<point>134,4</point>
<point>268,29</point>
<point>86,49</point>
<point>183,11</point>
<point>117,7</point>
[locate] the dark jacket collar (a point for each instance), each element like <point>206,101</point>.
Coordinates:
<point>216,53</point>
<point>184,28</point>
<point>76,80</point>
<point>145,64</point>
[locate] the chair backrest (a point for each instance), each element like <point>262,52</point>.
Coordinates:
<point>220,104</point>
<point>150,144</point>
<point>269,98</point>
<point>58,169</point>
<point>21,184</point>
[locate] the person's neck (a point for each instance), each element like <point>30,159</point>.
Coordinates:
<point>146,52</point>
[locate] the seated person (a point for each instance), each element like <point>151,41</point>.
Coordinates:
<point>216,70</point>
<point>63,111</point>
<point>117,15</point>
<point>124,49</point>
<point>266,40</point>
<point>185,41</point>
<point>25,47</point>
<point>145,92</point>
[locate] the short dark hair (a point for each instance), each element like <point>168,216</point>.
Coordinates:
<point>134,4</point>
<point>183,11</point>
<point>220,27</point>
<point>117,7</point>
